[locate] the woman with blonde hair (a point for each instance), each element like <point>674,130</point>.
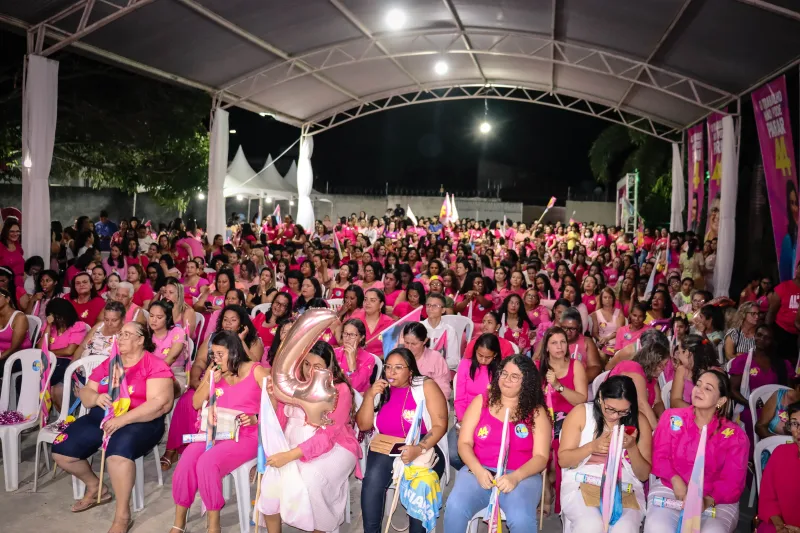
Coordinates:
<point>183,314</point>
<point>741,336</point>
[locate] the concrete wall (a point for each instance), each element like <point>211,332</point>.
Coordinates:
<point>531,214</point>
<point>600,212</point>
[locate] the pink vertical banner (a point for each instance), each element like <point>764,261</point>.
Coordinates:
<point>771,107</point>
<point>696,179</point>
<point>715,170</point>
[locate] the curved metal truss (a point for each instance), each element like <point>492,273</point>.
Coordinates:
<point>490,42</point>
<point>385,102</point>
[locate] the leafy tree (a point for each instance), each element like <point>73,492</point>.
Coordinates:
<point>116,128</point>
<point>619,150</point>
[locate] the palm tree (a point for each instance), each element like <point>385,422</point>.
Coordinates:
<point>619,150</point>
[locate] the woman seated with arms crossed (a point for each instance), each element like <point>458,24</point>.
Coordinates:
<point>675,445</point>
<point>695,354</point>
<point>430,363</point>
<point>568,388</point>
<point>184,418</point>
<point>238,380</point>
<point>779,494</point>
<point>132,434</point>
<point>647,365</point>
<point>172,346</point>
<point>327,455</point>
<point>100,338</point>
<point>516,386</point>
<point>356,363</point>
<point>64,332</point>
<point>585,439</point>
<point>398,394</point>
<point>472,379</point>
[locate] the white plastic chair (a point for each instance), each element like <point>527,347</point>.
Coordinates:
<point>378,365</point>
<point>200,321</point>
<point>358,399</point>
<point>769,444</point>
<point>34,328</point>
<point>260,308</point>
<point>665,394</point>
<point>334,304</point>
<point>28,405</point>
<point>241,483</point>
<point>137,494</point>
<point>463,326</point>
<point>515,347</point>
<point>472,525</point>
<point>48,433</point>
<point>596,384</point>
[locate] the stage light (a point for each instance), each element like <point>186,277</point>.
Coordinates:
<point>441,68</point>
<point>201,196</point>
<point>485,127</point>
<point>291,202</point>
<point>232,131</point>
<point>239,197</point>
<point>269,200</point>
<point>395,19</point>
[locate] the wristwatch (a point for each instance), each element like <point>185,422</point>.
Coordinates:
<point>560,388</point>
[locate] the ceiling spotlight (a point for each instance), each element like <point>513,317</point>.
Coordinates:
<point>269,200</point>
<point>239,197</point>
<point>395,19</point>
<point>485,127</point>
<point>201,196</point>
<point>232,131</point>
<point>291,202</point>
<point>441,68</point>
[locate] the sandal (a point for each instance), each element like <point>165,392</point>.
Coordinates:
<point>166,464</point>
<point>128,526</point>
<point>179,529</point>
<point>84,504</point>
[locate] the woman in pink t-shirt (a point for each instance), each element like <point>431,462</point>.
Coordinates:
<point>64,332</point>
<point>11,254</point>
<point>171,343</point>
<point>515,391</point>
<point>132,433</point>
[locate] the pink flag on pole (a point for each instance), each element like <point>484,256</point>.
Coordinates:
<point>117,389</point>
<point>441,344</point>
<point>551,203</point>
<point>693,503</point>
<point>45,401</point>
<point>493,510</point>
<point>336,244</point>
<point>277,213</point>
<point>771,107</point>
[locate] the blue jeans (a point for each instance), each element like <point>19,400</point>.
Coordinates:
<point>377,479</point>
<point>452,444</point>
<point>468,497</point>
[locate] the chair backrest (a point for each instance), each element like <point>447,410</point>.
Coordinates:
<point>769,444</point>
<point>378,366</point>
<point>461,324</point>
<point>191,350</point>
<point>34,328</point>
<point>31,362</point>
<point>335,303</point>
<point>200,322</point>
<point>260,308</point>
<point>209,271</point>
<point>596,384</point>
<point>763,394</point>
<point>665,394</point>
<point>515,347</point>
<point>146,314</point>
<point>88,363</point>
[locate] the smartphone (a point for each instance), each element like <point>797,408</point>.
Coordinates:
<point>629,430</point>
<point>396,451</point>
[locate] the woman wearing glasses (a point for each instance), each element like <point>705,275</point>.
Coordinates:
<point>132,434</point>
<point>435,306</point>
<point>581,347</point>
<point>585,439</point>
<point>515,388</point>
<point>740,338</point>
<point>399,391</point>
<point>266,324</point>
<point>779,494</point>
<point>355,361</point>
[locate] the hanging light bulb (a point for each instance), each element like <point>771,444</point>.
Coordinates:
<point>485,126</point>
<point>201,196</point>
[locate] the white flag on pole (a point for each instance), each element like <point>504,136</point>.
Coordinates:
<point>410,214</point>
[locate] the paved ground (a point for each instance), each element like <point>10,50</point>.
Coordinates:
<point>26,511</point>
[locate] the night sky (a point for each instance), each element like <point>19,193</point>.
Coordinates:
<point>423,146</point>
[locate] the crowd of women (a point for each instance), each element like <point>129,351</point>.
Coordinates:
<point>570,331</point>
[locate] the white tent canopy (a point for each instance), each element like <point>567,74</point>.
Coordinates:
<point>291,180</point>
<point>242,180</point>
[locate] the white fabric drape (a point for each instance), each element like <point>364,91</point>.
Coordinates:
<point>727,210</point>
<point>678,194</point>
<point>217,168</point>
<point>39,112</point>
<point>305,181</point>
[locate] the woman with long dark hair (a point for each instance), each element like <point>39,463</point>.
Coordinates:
<point>266,324</point>
<point>585,439</point>
<point>696,354</point>
<point>515,391</point>
<point>675,443</point>
<point>401,388</point>
<point>472,378</point>
<point>517,324</point>
<point>325,457</point>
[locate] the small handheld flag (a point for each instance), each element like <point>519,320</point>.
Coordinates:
<point>493,509</point>
<point>277,213</point>
<point>45,401</point>
<point>390,337</point>
<point>410,214</point>
<point>211,422</point>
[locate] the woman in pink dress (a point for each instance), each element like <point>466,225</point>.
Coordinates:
<point>11,253</point>
<point>325,456</point>
<point>606,320</point>
<point>518,327</point>
<point>355,361</point>
<point>536,312</point>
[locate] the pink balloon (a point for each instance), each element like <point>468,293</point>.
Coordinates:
<point>317,396</point>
